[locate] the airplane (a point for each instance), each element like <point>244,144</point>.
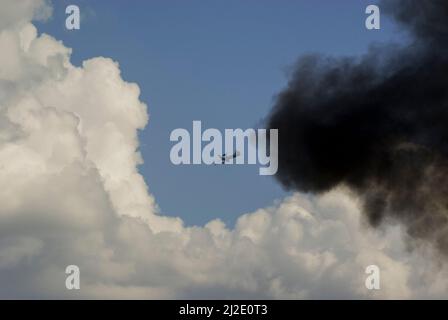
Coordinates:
<point>224,158</point>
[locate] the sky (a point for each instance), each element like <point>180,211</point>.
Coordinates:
<point>221,62</point>
<point>79,110</point>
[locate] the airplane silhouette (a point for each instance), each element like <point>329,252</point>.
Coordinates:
<point>224,158</point>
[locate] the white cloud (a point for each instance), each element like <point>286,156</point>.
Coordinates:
<point>71,194</point>
<point>17,12</point>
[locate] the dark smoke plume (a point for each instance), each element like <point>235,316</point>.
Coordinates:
<point>377,124</point>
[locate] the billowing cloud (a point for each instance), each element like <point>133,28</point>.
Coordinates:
<point>71,194</point>
<point>19,12</point>
<point>376,124</point>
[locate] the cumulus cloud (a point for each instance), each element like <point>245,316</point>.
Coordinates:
<point>19,12</point>
<point>71,194</point>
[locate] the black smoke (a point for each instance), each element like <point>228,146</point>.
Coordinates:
<point>377,124</point>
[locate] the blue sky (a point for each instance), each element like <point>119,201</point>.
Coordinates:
<point>221,62</point>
